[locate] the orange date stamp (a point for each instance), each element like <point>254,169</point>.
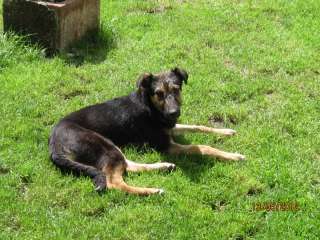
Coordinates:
<point>276,206</point>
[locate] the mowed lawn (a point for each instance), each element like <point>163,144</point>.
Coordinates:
<point>253,66</point>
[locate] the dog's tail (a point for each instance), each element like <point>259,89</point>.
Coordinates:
<point>67,165</point>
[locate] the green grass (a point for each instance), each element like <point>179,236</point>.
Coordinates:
<point>253,67</point>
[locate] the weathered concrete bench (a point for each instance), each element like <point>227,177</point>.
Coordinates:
<point>54,24</point>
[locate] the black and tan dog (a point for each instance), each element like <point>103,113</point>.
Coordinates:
<point>87,141</point>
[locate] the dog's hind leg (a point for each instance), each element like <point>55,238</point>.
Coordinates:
<point>66,164</point>
<point>115,181</point>
<point>182,129</point>
<point>139,167</point>
<point>176,148</point>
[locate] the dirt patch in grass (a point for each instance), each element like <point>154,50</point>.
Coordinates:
<point>150,10</point>
<point>219,121</point>
<point>94,212</point>
<point>216,121</point>
<point>159,9</point>
<point>238,237</point>
<point>233,119</point>
<point>229,64</point>
<point>14,223</point>
<point>219,205</point>
<point>254,190</point>
<point>4,170</point>
<point>25,181</point>
<point>251,231</point>
<point>269,92</point>
<point>74,93</point>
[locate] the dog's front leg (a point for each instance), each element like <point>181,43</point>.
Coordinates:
<point>176,148</point>
<point>140,167</point>
<point>182,128</point>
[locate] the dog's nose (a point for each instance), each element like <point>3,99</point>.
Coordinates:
<point>174,113</point>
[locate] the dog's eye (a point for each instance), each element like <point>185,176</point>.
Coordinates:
<point>160,94</point>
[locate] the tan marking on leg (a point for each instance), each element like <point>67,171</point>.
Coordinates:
<point>182,128</point>
<point>138,167</point>
<point>204,150</point>
<point>115,181</point>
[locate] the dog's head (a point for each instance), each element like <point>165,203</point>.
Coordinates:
<point>164,92</point>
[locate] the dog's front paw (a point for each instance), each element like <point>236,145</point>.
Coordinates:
<point>169,166</point>
<point>221,131</point>
<point>160,191</point>
<point>237,157</point>
<point>228,132</point>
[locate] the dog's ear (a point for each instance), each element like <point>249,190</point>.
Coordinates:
<point>144,81</point>
<point>181,74</point>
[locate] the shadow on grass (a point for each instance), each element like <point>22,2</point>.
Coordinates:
<point>93,48</point>
<point>192,166</point>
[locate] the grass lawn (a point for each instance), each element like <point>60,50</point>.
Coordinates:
<point>253,66</point>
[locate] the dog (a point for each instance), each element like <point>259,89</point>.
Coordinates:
<point>88,141</point>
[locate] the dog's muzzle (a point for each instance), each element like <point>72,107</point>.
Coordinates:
<point>173,114</point>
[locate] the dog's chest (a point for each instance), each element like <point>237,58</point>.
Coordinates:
<point>138,128</point>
